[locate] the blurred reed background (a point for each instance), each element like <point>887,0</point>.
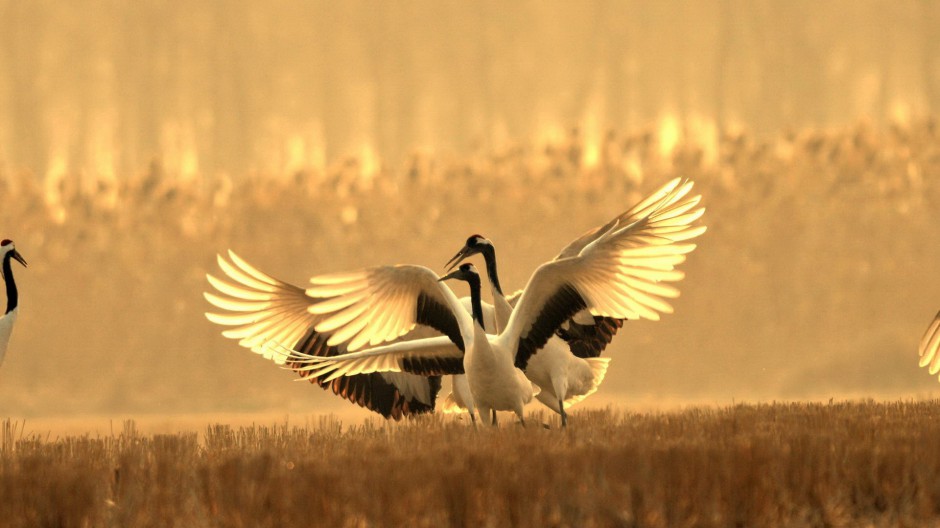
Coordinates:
<point>138,139</point>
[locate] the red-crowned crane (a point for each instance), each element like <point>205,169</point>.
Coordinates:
<point>8,252</point>
<point>567,368</point>
<point>619,271</point>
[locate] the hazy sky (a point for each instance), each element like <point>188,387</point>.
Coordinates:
<point>107,87</point>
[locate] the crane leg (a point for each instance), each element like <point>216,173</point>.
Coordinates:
<point>564,415</point>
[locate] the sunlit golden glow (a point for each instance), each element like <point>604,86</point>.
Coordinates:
<point>139,139</point>
<point>670,133</point>
<point>179,153</point>
<point>591,132</point>
<point>370,163</point>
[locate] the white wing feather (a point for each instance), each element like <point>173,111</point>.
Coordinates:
<point>260,308</point>
<point>269,316</point>
<point>598,367</point>
<point>620,272</point>
<point>386,358</point>
<point>377,305</point>
<point>930,346</point>
<point>635,213</point>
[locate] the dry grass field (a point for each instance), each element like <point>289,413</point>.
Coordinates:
<point>837,464</point>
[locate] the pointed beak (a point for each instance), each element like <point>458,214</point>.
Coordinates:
<point>452,275</point>
<point>19,258</point>
<point>455,260</point>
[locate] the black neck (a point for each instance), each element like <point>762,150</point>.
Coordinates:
<point>475,300</point>
<point>12,296</point>
<point>489,254</point>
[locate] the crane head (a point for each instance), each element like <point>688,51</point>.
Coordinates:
<point>475,244</point>
<point>6,246</point>
<point>466,272</point>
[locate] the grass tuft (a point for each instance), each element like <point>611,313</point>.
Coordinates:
<point>778,464</point>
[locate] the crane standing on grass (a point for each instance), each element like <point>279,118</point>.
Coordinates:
<point>567,368</point>
<point>620,270</point>
<point>7,253</point>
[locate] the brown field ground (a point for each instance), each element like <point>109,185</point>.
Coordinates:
<point>841,464</point>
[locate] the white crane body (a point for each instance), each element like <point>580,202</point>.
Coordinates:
<point>8,253</point>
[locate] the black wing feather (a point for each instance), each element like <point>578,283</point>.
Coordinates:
<point>560,307</point>
<point>373,391</point>
<point>588,341</point>
<point>370,391</point>
<point>432,366</point>
<point>439,317</point>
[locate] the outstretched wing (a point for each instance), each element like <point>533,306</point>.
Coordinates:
<point>266,313</point>
<point>259,308</point>
<point>930,346</point>
<point>377,305</point>
<point>586,336</point>
<point>391,394</point>
<point>620,274</point>
<point>589,340</point>
<point>429,356</point>
<point>380,304</point>
<point>638,211</point>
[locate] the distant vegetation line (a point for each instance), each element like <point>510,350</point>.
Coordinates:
<point>891,160</point>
